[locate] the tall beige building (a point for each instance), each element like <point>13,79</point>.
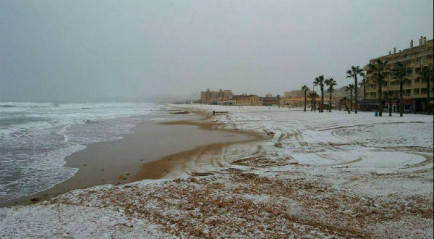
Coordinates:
<point>415,89</point>
<point>215,97</point>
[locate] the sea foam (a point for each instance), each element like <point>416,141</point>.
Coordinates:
<point>35,138</point>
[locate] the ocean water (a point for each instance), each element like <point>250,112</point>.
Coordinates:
<point>35,138</point>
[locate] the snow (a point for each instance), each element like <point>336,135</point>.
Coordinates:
<point>315,175</point>
<point>70,221</point>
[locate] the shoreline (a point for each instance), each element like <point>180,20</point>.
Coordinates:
<point>152,170</point>
<point>160,164</point>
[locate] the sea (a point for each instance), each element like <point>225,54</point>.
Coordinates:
<point>35,138</point>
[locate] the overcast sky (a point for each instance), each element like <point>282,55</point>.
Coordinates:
<point>84,50</point>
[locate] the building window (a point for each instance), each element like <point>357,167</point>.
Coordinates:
<point>416,91</point>
<point>423,90</point>
<point>420,59</point>
<point>389,93</point>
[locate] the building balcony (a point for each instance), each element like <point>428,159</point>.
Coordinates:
<point>420,84</point>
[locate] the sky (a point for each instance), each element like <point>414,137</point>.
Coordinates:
<point>89,50</point>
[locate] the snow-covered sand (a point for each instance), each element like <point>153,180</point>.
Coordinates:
<point>317,175</point>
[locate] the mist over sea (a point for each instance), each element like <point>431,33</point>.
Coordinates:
<point>35,138</point>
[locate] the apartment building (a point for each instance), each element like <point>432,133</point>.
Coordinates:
<point>415,88</point>
<point>215,97</point>
<point>246,100</point>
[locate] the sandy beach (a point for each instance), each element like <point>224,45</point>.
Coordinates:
<point>329,175</point>
<point>155,150</point>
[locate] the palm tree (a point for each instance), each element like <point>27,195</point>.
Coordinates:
<point>379,71</point>
<point>363,83</point>
<point>353,73</point>
<point>330,83</point>
<point>320,81</point>
<point>389,98</point>
<point>427,74</point>
<point>305,89</point>
<point>400,71</point>
<point>350,88</point>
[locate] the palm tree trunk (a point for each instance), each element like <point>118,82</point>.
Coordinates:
<point>351,100</point>
<point>305,101</point>
<point>428,108</point>
<point>322,100</point>
<point>355,92</point>
<point>330,103</point>
<point>401,98</point>
<point>380,99</point>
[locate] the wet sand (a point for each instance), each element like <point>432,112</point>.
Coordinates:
<point>159,168</point>
<point>151,152</point>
